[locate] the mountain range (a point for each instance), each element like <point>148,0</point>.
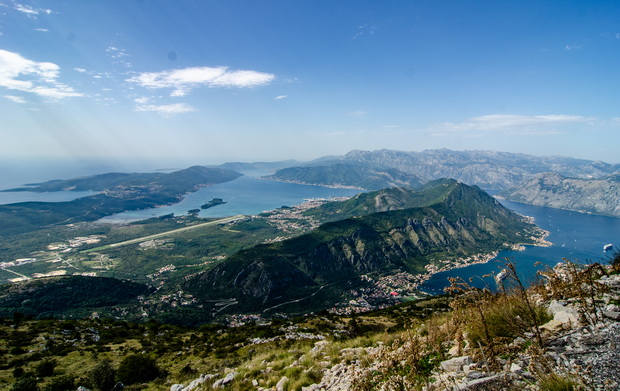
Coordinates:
<point>588,186</point>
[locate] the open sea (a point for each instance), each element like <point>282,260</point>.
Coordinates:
<point>575,236</point>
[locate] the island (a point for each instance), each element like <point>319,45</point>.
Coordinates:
<point>212,203</point>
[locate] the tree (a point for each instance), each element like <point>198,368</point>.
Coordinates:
<point>137,368</point>
<point>45,368</point>
<point>102,376</point>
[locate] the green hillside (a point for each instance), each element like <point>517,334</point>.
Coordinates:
<point>316,270</point>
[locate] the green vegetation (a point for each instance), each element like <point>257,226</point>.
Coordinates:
<point>348,174</point>
<point>77,295</point>
<point>97,353</point>
<point>400,347</point>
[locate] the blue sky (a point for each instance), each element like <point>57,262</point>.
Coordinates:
<point>214,81</point>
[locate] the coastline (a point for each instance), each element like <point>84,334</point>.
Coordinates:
<point>312,184</point>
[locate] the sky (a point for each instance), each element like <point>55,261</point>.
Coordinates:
<point>209,81</point>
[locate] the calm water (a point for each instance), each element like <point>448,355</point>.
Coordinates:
<point>575,236</point>
<point>245,195</point>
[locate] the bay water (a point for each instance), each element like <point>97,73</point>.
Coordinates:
<point>578,237</point>
<point>248,195</point>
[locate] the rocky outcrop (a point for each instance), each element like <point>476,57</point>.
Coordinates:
<point>596,196</point>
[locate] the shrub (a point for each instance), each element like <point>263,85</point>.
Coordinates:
<point>137,369</point>
<point>101,377</point>
<point>27,383</point>
<point>45,368</point>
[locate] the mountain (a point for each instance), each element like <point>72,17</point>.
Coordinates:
<point>118,192</point>
<point>486,169</point>
<point>319,269</point>
<point>342,174</point>
<point>597,196</point>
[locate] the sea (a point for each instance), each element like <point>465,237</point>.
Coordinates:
<point>575,236</point>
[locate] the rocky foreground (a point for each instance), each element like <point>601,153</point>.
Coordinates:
<point>580,350</point>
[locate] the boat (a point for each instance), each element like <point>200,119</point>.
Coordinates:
<point>608,247</point>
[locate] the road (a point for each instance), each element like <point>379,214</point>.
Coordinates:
<point>167,233</point>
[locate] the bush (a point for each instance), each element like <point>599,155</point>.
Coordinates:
<point>45,368</point>
<point>101,377</point>
<point>137,369</point>
<point>503,317</point>
<point>27,383</point>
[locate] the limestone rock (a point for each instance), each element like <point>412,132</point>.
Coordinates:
<point>455,364</point>
<point>282,383</point>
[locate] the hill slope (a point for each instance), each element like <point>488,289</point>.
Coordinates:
<point>597,196</point>
<point>318,269</point>
<point>347,175</point>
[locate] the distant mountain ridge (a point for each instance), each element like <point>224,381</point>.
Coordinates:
<point>452,220</point>
<point>486,169</point>
<point>598,196</point>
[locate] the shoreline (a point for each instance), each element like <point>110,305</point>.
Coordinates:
<point>313,184</point>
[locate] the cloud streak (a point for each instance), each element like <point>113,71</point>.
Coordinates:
<point>515,124</point>
<point>182,81</point>
<point>39,78</point>
<point>16,99</point>
<point>166,110</point>
<point>31,11</point>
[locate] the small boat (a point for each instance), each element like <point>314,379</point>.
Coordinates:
<point>501,276</point>
<point>608,247</point>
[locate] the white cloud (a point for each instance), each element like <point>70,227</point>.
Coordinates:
<point>40,78</point>
<point>81,70</point>
<point>16,99</point>
<point>42,30</point>
<point>115,52</point>
<point>142,101</point>
<point>30,11</point>
<point>280,97</point>
<point>165,110</point>
<point>183,80</point>
<point>514,124</point>
<point>118,56</point>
